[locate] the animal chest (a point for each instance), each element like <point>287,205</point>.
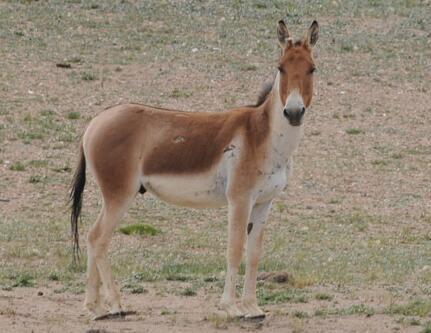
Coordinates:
<point>271,182</point>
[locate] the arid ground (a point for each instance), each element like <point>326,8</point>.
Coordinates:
<point>352,230</point>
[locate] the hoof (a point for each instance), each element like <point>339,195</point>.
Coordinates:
<point>252,310</point>
<point>259,316</point>
<point>116,315</point>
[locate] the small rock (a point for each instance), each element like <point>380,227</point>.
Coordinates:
<point>281,277</point>
<point>39,293</point>
<point>63,65</point>
<point>278,277</point>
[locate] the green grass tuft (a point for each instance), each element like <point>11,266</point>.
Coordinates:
<point>23,280</point>
<point>354,131</point>
<point>139,229</point>
<point>324,297</point>
<point>73,115</point>
<point>17,166</point>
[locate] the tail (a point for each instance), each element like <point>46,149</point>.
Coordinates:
<point>76,194</point>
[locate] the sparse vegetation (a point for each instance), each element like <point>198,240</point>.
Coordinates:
<point>354,131</point>
<point>73,115</point>
<point>188,292</point>
<point>354,220</point>
<point>419,307</point>
<point>17,166</point>
<point>88,76</point>
<point>178,93</point>
<point>324,297</point>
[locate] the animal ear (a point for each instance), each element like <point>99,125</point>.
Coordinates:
<point>282,33</point>
<point>312,34</point>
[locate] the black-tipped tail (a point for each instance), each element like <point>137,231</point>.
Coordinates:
<point>76,194</point>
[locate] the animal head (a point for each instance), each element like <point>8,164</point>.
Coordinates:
<point>296,67</point>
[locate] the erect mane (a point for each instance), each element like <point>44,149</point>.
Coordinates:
<point>264,92</point>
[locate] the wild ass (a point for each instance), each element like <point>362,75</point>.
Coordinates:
<point>238,158</point>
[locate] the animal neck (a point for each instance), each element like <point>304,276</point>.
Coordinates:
<point>284,138</point>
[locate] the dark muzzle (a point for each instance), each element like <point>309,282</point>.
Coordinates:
<point>294,116</point>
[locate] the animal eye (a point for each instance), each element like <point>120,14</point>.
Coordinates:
<point>281,69</point>
<point>312,70</point>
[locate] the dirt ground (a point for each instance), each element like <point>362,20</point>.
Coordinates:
<point>353,229</point>
<point>27,311</point>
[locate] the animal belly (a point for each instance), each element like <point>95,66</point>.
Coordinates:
<point>197,191</point>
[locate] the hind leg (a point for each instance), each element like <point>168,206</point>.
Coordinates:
<point>92,293</point>
<point>98,243</point>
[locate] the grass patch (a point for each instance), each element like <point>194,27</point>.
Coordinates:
<point>397,156</point>
<point>178,93</point>
<point>300,314</point>
<point>17,166</point>
<point>54,276</point>
<point>419,307</point>
<point>427,327</point>
<point>23,280</point>
<point>359,220</point>
<point>38,163</point>
<point>178,277</point>
<point>135,288</point>
<point>73,115</point>
<point>88,76</point>
<point>354,131</point>
<point>188,292</point>
<point>248,67</point>
<point>139,229</point>
<point>356,309</point>
<point>278,296</point>
<point>324,297</point>
<point>379,162</point>
<point>406,321</point>
<point>35,179</point>
<point>166,312</point>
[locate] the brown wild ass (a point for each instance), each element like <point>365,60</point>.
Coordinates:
<point>240,158</point>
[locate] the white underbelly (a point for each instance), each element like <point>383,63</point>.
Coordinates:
<point>202,190</point>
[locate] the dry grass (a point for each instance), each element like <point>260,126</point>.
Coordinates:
<point>357,213</point>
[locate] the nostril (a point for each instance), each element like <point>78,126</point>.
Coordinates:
<point>302,110</point>
<point>286,113</point>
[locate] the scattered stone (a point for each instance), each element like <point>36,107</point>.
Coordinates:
<point>63,65</point>
<point>281,277</point>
